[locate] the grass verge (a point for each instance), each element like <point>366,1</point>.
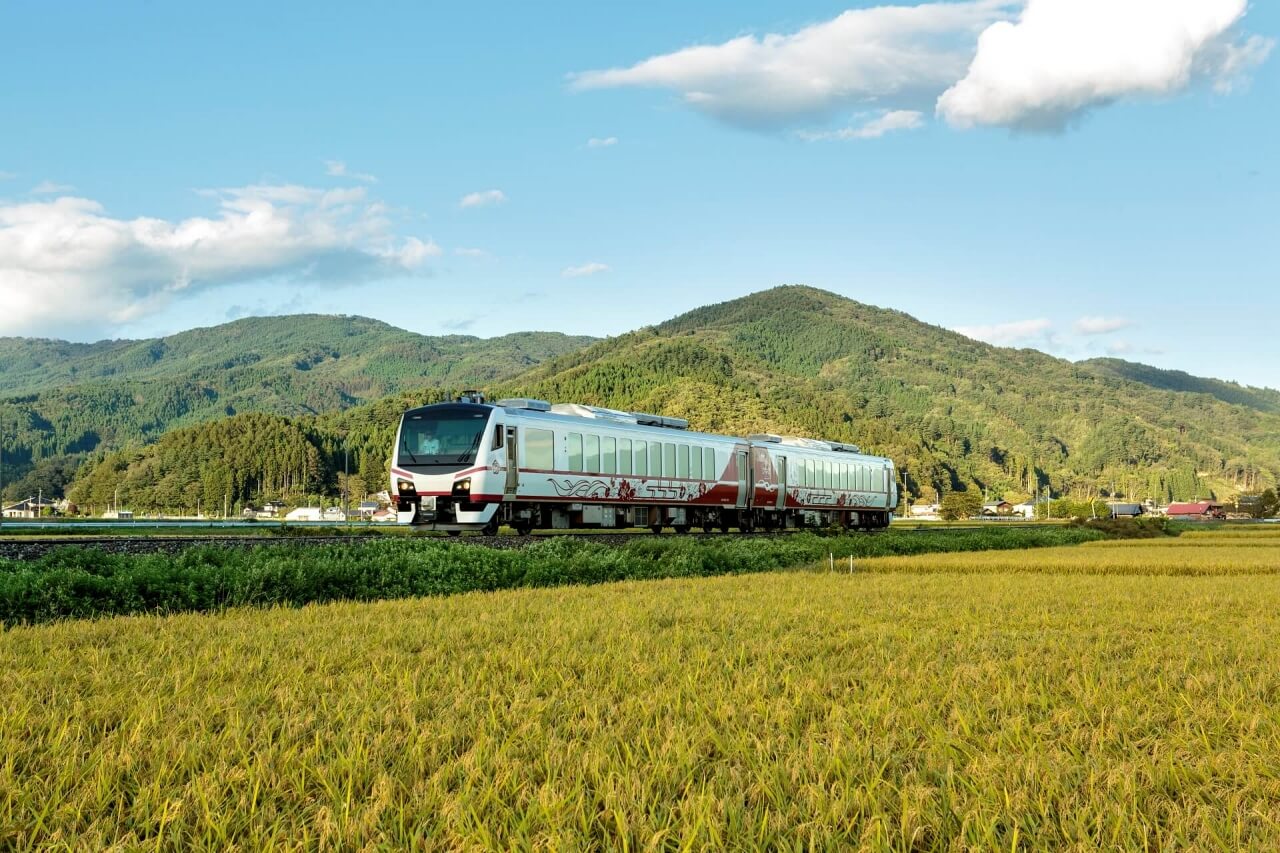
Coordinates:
<point>78,582</point>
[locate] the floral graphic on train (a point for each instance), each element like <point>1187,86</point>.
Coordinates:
<point>591,489</point>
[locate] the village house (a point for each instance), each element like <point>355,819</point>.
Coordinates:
<point>1198,511</point>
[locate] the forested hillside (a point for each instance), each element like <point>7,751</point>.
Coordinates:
<point>954,412</point>
<point>61,401</point>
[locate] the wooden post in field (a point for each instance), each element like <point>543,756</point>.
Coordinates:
<point>832,558</point>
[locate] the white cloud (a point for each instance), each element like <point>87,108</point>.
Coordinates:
<point>338,169</point>
<point>1100,325</point>
<point>468,252</point>
<point>1063,57</point>
<point>585,269</point>
<point>602,142</point>
<point>1008,334</point>
<point>906,55</point>
<point>483,198</point>
<point>1119,348</point>
<point>50,188</point>
<point>874,128</point>
<point>66,265</point>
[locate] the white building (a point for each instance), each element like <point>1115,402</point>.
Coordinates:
<point>925,511</point>
<point>305,513</point>
<point>1025,510</point>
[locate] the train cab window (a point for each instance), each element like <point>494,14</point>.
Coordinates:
<point>682,461</point>
<point>591,458</point>
<point>498,432</point>
<point>709,468</point>
<point>539,449</point>
<point>608,455</point>
<point>575,451</point>
<point>695,463</point>
<point>642,458</point>
<point>624,456</point>
<point>655,459</point>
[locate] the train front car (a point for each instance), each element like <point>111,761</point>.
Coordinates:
<point>447,465</point>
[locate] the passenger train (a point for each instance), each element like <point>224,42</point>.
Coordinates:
<point>472,465</point>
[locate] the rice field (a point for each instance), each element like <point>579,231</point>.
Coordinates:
<point>980,705</point>
<point>1229,552</point>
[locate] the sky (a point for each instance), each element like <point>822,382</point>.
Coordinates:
<point>1086,177</point>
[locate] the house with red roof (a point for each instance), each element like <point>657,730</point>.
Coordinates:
<point>1198,511</point>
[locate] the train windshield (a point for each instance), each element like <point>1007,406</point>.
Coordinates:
<point>441,437</point>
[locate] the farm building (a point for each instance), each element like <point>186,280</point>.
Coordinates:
<point>1198,511</point>
<point>1123,510</point>
<point>30,508</point>
<point>925,510</point>
<point>304,513</point>
<point>997,508</point>
<point>1025,510</point>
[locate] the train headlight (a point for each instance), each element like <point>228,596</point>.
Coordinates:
<point>405,486</point>
<point>462,487</point>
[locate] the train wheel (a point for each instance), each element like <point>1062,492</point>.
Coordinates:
<point>724,527</point>
<point>656,528</point>
<point>522,527</point>
<point>707,527</point>
<point>454,532</point>
<point>491,529</point>
<point>681,529</point>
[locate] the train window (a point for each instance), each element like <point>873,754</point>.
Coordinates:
<point>624,456</point>
<point>575,451</point>
<point>668,460</point>
<point>591,457</point>
<point>862,478</point>
<point>655,459</point>
<point>608,455</point>
<point>828,474</point>
<point>642,459</point>
<point>682,461</point>
<point>709,468</point>
<point>695,463</point>
<point>806,473</point>
<point>539,449</point>
<point>844,477</point>
<point>498,432</point>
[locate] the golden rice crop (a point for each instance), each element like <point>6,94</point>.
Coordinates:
<point>803,709</point>
<point>1202,555</point>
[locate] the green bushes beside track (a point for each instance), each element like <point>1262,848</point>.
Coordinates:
<point>76,582</point>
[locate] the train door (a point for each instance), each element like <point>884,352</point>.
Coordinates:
<point>782,482</point>
<point>744,479</point>
<point>513,465</point>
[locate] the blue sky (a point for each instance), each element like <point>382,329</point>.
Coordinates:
<point>164,166</point>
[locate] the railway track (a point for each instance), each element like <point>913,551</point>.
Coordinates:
<point>33,548</point>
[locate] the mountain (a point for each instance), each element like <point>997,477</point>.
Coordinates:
<point>1262,399</point>
<point>954,412</point>
<point>61,399</point>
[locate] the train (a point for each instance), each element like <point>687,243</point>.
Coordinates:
<point>471,465</point>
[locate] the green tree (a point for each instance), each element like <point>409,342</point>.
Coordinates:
<point>960,505</point>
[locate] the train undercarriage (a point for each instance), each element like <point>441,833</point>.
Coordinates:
<point>525,517</point>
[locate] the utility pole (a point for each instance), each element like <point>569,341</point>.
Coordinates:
<point>346,485</point>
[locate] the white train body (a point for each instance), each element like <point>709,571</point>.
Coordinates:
<point>470,465</point>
